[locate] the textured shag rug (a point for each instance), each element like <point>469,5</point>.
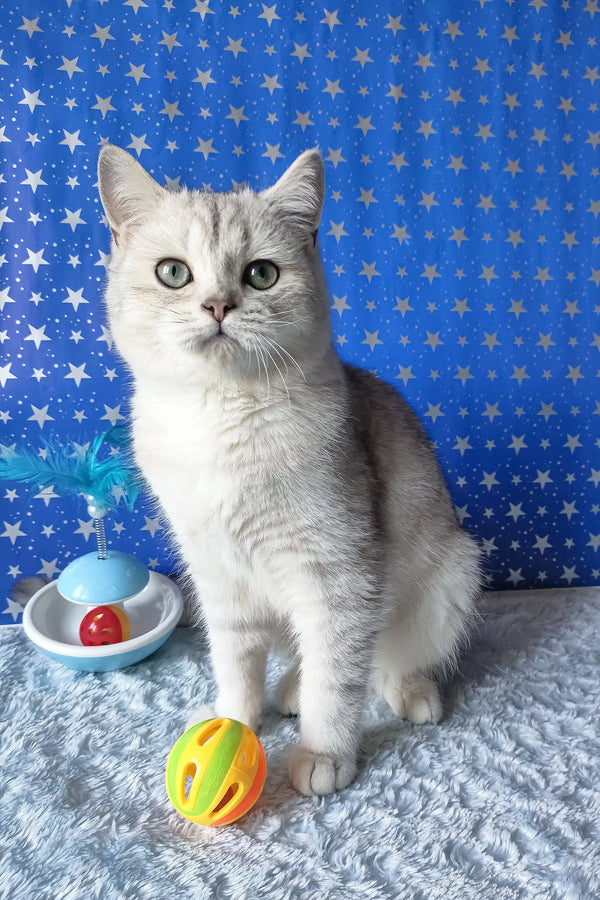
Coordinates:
<point>500,800</point>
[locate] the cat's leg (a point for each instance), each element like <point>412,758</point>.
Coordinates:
<point>430,619</point>
<point>336,632</point>
<point>399,673</point>
<point>287,692</point>
<point>287,695</point>
<point>238,652</point>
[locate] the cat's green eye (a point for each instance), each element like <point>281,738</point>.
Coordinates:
<point>173,273</point>
<point>261,274</point>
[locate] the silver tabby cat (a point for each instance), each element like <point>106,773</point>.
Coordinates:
<point>303,494</point>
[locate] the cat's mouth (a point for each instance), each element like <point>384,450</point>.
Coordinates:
<point>198,343</point>
<point>221,336</point>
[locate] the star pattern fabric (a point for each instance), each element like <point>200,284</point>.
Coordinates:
<point>460,235</point>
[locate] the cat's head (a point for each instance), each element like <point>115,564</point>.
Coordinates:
<point>205,286</point>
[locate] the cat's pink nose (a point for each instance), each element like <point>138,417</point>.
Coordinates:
<point>218,308</point>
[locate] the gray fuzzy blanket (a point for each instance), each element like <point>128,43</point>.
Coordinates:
<point>500,800</point>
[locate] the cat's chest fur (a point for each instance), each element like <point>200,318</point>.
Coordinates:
<point>235,476</point>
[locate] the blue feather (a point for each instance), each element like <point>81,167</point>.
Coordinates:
<point>69,471</point>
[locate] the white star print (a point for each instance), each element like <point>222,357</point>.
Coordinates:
<point>40,415</point>
<point>35,259</point>
<point>69,66</point>
<point>75,298</point>
<point>77,373</point>
<point>331,19</point>
<point>30,26</point>
<point>37,335</point>
<point>72,140</point>
<point>269,14</point>
<point>12,532</point>
<point>73,219</point>
<point>31,99</point>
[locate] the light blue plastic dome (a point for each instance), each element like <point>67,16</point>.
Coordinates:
<point>95,581</point>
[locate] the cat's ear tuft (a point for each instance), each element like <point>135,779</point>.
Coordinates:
<point>300,192</point>
<point>129,195</point>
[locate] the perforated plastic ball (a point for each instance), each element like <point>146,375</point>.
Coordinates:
<point>216,772</point>
<point>104,625</point>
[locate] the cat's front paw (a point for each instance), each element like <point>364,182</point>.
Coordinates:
<point>415,699</point>
<point>316,773</point>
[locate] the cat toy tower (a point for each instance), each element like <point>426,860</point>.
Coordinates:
<point>103,581</point>
<point>104,577</point>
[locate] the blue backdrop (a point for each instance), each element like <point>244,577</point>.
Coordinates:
<point>460,233</point>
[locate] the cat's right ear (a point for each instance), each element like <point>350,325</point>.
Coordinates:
<point>299,193</point>
<point>129,195</point>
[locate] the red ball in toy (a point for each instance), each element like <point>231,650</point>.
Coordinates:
<point>104,625</point>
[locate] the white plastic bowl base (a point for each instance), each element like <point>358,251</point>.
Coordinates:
<point>52,623</point>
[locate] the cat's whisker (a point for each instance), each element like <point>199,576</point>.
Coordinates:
<point>262,353</point>
<point>173,315</point>
<point>258,350</point>
<point>259,342</point>
<point>277,319</point>
<point>277,313</point>
<point>272,344</point>
<point>257,362</point>
<point>284,324</point>
<point>248,358</point>
<point>295,318</point>
<point>290,356</point>
<point>280,375</point>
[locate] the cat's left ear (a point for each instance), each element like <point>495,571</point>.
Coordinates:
<point>300,192</point>
<point>128,193</point>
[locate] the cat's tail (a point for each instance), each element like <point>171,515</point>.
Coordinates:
<point>24,589</point>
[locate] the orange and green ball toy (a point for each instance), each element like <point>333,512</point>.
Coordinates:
<point>216,772</point>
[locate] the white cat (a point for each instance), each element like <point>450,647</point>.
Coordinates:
<point>303,494</point>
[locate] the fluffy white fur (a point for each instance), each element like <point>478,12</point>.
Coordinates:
<point>303,494</point>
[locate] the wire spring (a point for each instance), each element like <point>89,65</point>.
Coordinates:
<point>101,538</point>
